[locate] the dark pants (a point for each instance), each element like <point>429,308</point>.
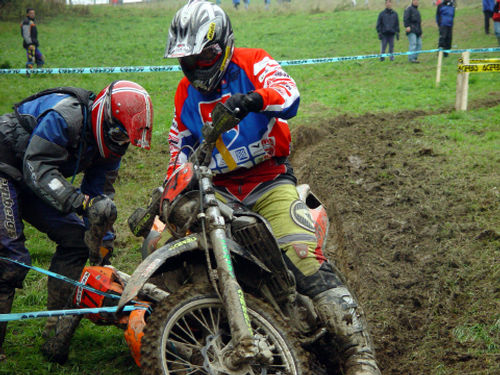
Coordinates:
<point>34,56</point>
<point>387,40</point>
<point>487,15</point>
<point>445,35</point>
<point>18,203</point>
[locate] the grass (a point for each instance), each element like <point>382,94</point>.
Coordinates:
<point>136,35</point>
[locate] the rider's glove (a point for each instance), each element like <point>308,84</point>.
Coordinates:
<point>242,104</point>
<point>88,203</point>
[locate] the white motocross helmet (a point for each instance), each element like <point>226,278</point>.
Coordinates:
<point>201,37</point>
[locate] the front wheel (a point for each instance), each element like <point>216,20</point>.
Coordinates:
<point>188,333</point>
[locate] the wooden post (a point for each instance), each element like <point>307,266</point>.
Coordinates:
<point>462,86</point>
<point>438,70</point>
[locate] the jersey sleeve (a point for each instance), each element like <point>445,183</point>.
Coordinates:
<point>278,90</point>
<point>179,135</point>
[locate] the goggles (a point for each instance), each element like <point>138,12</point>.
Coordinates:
<point>207,58</point>
<point>118,135</point>
<point>116,132</point>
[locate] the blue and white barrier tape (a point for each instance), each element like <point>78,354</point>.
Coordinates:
<point>46,314</point>
<point>63,278</point>
<point>176,68</point>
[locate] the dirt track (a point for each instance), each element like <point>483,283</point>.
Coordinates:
<point>388,198</point>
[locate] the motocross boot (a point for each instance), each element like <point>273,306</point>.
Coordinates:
<point>6,300</point>
<point>59,331</point>
<point>345,321</point>
<point>56,348</point>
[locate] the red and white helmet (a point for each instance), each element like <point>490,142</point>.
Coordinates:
<point>122,113</point>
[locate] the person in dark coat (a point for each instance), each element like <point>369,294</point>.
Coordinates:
<point>387,28</point>
<point>49,137</point>
<point>413,27</point>
<point>445,14</point>
<point>29,33</point>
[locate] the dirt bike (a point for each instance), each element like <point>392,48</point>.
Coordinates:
<point>233,307</point>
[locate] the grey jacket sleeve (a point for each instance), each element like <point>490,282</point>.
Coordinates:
<point>27,33</point>
<point>41,174</point>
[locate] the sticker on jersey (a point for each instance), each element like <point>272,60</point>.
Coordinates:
<point>211,31</point>
<point>241,154</point>
<point>256,149</point>
<point>205,108</point>
<point>302,216</point>
<point>269,146</point>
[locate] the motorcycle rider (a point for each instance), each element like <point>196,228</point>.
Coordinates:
<point>252,166</point>
<point>50,136</point>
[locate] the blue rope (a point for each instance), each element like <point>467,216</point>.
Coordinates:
<point>44,314</point>
<point>176,68</point>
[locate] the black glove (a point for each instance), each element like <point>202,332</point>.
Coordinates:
<point>242,104</point>
<point>380,36</point>
<point>397,36</point>
<point>89,204</point>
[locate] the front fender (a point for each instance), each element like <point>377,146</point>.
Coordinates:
<point>149,265</point>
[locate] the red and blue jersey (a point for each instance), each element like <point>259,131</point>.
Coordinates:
<point>260,136</point>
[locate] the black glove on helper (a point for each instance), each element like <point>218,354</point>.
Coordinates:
<point>245,103</point>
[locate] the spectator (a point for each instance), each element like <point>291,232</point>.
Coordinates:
<point>236,4</point>
<point>488,6</point>
<point>261,178</point>
<point>49,137</point>
<point>266,3</point>
<point>387,27</point>
<point>496,20</point>
<point>445,13</point>
<point>413,27</point>
<point>30,40</point>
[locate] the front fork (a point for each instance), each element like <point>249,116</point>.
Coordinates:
<point>245,346</point>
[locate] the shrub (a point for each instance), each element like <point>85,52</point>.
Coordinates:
<point>12,10</point>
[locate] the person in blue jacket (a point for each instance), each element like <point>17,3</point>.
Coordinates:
<point>488,6</point>
<point>445,13</point>
<point>49,137</point>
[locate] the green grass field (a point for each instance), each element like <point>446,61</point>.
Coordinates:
<point>136,35</point>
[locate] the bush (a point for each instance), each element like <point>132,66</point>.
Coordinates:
<point>13,10</point>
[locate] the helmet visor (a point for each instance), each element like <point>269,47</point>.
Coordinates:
<point>206,59</point>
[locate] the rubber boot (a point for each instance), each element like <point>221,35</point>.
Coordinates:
<point>6,300</point>
<point>56,348</point>
<point>59,330</point>
<point>345,321</point>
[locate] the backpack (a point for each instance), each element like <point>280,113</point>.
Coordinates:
<point>83,96</point>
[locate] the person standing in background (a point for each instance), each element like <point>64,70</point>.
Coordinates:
<point>413,27</point>
<point>496,20</point>
<point>488,6</point>
<point>387,27</point>
<point>445,14</point>
<point>30,40</point>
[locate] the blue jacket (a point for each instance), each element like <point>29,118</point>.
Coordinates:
<point>488,5</point>
<point>445,13</point>
<point>59,146</point>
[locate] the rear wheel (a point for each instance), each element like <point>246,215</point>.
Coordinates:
<point>188,333</point>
